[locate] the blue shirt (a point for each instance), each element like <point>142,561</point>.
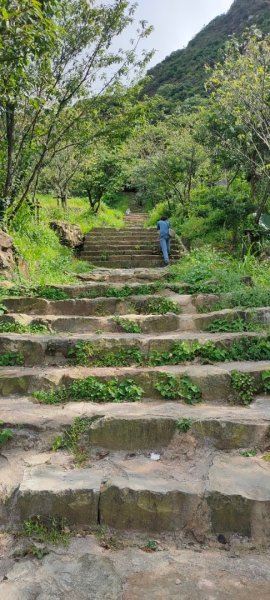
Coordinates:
<point>163,227</point>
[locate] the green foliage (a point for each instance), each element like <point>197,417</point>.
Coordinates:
<point>5,434</point>
<point>85,353</point>
<point>244,388</point>
<point>184,425</point>
<point>35,328</point>
<point>246,298</point>
<point>50,293</point>
<point>152,545</point>
<point>240,349</point>
<point>231,325</point>
<point>3,309</point>
<point>266,381</point>
<point>72,439</point>
<point>249,453</point>
<point>159,306</point>
<point>92,390</point>
<point>127,325</point>
<point>11,359</point>
<point>184,389</point>
<point>51,530</point>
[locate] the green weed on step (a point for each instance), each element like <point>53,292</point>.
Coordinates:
<point>86,354</point>
<point>72,440</point>
<point>184,425</point>
<point>52,530</point>
<point>9,327</point>
<point>244,388</point>
<point>127,325</point>
<point>233,325</point>
<point>5,434</point>
<point>11,359</point>
<point>172,388</point>
<point>91,389</point>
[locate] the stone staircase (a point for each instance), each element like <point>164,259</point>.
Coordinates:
<point>155,465</point>
<point>132,247</point>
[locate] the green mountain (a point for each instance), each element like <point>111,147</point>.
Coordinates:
<point>182,74</point>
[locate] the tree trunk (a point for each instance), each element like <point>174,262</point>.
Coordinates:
<point>10,114</point>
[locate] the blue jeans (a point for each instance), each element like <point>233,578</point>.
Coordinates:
<point>165,247</point>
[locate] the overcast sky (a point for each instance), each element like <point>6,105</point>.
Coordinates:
<point>177,21</point>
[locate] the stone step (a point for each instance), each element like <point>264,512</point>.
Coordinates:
<point>74,324</point>
<point>137,427</point>
<point>214,381</point>
<point>147,323</point>
<point>225,494</point>
<point>118,263</point>
<point>101,572</point>
<point>103,289</point>
<point>125,276</point>
<point>90,307</point>
<point>128,252</point>
<point>55,350</point>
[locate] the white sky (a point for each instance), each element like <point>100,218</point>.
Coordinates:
<point>176,22</point>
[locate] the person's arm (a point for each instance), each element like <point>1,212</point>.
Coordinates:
<point>158,225</point>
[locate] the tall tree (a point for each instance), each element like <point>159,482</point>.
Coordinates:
<point>238,117</point>
<point>61,53</point>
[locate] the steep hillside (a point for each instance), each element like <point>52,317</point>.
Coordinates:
<point>182,74</point>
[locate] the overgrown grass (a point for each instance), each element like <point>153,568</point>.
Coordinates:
<point>79,213</point>
<point>46,261</point>
<point>208,271</point>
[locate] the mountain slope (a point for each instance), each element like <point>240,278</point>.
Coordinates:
<point>182,74</point>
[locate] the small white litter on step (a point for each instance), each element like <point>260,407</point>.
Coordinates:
<point>154,456</point>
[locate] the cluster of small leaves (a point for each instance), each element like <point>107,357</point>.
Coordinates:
<point>50,293</point>
<point>184,425</point>
<point>250,298</point>
<point>244,388</point>
<point>235,325</point>
<point>13,327</point>
<point>72,439</point>
<point>11,359</point>
<point>127,325</point>
<point>184,389</point>
<point>209,352</point>
<point>92,390</point>
<point>3,309</point>
<point>52,530</point>
<point>84,353</point>
<point>249,453</point>
<point>159,306</point>
<point>5,434</point>
<point>266,381</point>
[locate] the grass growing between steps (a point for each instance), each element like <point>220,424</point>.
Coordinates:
<point>233,326</point>
<point>51,530</point>
<point>5,434</point>
<point>92,390</point>
<point>86,353</point>
<point>35,329</point>
<point>173,388</point>
<point>11,359</point>
<point>73,440</point>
